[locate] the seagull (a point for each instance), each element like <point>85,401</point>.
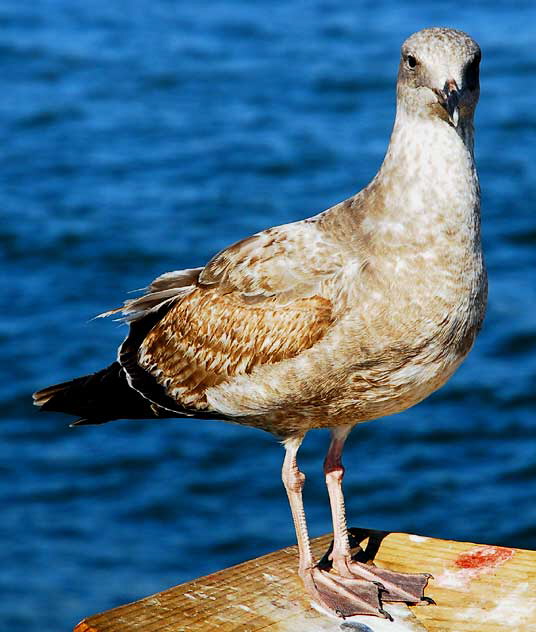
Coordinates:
<point>356,313</point>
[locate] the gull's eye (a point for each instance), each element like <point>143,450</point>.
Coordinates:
<point>411,62</point>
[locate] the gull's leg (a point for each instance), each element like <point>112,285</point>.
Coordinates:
<point>334,472</point>
<point>343,596</point>
<point>407,587</point>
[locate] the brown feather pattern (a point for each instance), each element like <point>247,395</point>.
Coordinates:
<point>209,336</point>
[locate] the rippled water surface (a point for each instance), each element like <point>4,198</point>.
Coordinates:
<point>139,137</point>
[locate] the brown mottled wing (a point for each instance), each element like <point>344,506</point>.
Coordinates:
<point>258,302</point>
<point>208,337</point>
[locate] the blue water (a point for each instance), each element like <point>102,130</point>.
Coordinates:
<point>139,137</point>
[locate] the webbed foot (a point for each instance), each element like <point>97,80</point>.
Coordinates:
<point>407,587</point>
<point>345,596</point>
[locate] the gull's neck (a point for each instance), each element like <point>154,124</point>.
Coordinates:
<point>420,216</point>
<point>423,206</point>
<point>430,164</point>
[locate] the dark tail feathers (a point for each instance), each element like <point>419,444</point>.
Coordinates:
<point>97,398</point>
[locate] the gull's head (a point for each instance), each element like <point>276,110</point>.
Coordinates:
<point>439,76</point>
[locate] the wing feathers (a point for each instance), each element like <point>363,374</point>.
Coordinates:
<point>164,288</point>
<point>258,302</point>
<point>208,337</point>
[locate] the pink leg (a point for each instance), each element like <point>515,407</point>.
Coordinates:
<point>293,480</point>
<point>334,473</point>
<point>343,596</point>
<point>407,587</point>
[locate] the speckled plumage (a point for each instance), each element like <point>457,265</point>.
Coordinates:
<point>356,313</point>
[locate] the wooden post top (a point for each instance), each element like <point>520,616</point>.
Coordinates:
<point>477,588</point>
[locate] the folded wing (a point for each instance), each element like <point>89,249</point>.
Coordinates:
<point>258,302</point>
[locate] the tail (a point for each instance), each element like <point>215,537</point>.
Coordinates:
<point>98,398</point>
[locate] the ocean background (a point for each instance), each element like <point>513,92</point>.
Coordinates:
<point>139,137</point>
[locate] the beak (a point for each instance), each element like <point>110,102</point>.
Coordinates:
<point>449,98</point>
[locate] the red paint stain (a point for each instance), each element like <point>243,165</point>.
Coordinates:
<point>483,557</point>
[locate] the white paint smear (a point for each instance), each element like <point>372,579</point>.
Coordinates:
<point>404,620</point>
<point>516,608</point>
<point>418,538</point>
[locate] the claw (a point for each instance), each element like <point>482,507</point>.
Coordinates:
<point>386,614</point>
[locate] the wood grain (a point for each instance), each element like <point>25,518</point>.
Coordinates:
<point>476,587</point>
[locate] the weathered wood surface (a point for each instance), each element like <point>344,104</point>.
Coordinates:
<point>477,588</point>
